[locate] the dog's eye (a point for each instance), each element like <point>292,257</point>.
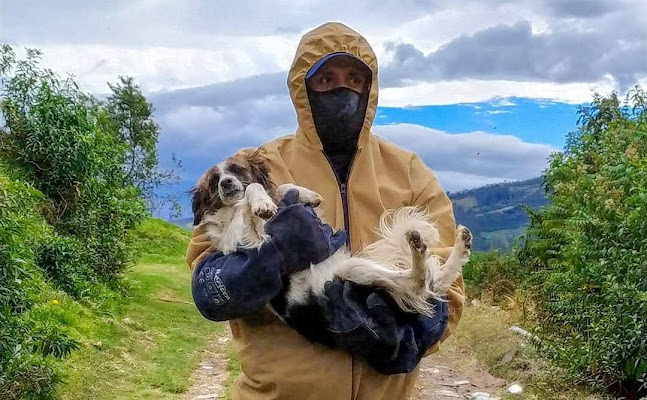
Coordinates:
<point>236,169</point>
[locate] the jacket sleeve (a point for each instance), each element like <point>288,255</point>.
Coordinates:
<point>429,196</point>
<point>199,247</point>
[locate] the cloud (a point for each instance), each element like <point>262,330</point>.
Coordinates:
<point>195,23</point>
<point>225,93</point>
<point>168,45</point>
<point>501,102</point>
<point>169,68</point>
<point>583,8</point>
<point>470,159</point>
<point>516,53</point>
<point>202,135</point>
<point>474,91</point>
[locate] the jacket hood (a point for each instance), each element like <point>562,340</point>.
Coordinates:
<point>332,37</point>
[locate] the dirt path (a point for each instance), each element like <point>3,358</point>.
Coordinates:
<point>208,381</point>
<point>452,373</point>
<point>442,378</point>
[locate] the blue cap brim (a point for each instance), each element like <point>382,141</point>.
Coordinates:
<point>322,60</point>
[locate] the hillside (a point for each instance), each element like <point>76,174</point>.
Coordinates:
<point>148,343</point>
<point>186,223</point>
<point>493,212</point>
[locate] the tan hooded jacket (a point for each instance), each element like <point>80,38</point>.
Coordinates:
<point>278,363</point>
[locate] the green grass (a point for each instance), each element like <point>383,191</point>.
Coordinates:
<point>148,344</point>
<point>161,242</point>
<point>233,370</point>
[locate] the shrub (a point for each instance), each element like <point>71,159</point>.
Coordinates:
<point>25,368</point>
<point>61,139</point>
<point>587,252</point>
<point>67,210</point>
<point>493,275</point>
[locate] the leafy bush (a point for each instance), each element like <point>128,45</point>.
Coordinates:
<point>492,274</point>
<point>61,138</point>
<point>25,369</point>
<point>61,260</point>
<point>67,211</point>
<point>587,251</point>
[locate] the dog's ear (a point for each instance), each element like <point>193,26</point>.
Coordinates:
<point>205,194</point>
<point>260,169</point>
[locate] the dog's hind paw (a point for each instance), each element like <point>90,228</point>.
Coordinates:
<point>309,197</point>
<point>464,239</point>
<point>415,242</point>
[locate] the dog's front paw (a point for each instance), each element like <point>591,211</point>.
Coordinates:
<point>260,203</point>
<point>464,239</point>
<point>264,208</point>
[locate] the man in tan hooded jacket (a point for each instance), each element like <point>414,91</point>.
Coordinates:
<point>278,363</point>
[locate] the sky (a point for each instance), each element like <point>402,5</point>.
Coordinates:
<point>483,90</point>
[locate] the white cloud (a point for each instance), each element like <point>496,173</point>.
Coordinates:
<point>168,68</point>
<point>501,103</point>
<point>474,91</point>
<point>195,120</point>
<point>167,45</point>
<point>453,181</point>
<point>470,159</point>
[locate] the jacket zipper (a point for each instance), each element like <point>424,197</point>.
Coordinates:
<point>344,204</point>
<point>343,190</point>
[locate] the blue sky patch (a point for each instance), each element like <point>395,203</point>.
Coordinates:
<point>531,120</point>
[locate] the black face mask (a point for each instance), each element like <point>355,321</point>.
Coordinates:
<point>338,115</point>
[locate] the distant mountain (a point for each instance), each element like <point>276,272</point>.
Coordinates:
<point>186,222</point>
<point>493,212</point>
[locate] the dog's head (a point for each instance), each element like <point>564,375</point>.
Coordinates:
<point>224,184</point>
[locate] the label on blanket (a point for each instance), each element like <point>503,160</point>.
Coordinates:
<point>215,286</point>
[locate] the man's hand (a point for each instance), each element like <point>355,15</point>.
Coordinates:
<point>300,237</point>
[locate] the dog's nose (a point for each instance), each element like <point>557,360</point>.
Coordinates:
<point>226,183</point>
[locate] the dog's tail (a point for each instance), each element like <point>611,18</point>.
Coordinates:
<point>392,247</point>
<point>396,283</point>
<point>392,252</point>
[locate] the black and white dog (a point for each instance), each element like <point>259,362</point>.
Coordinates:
<point>233,199</point>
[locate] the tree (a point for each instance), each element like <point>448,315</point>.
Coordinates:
<point>130,116</point>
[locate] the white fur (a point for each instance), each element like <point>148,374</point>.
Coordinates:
<point>392,263</point>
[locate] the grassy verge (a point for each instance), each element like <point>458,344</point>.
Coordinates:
<point>484,334</point>
<point>148,345</point>
<point>233,370</point>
